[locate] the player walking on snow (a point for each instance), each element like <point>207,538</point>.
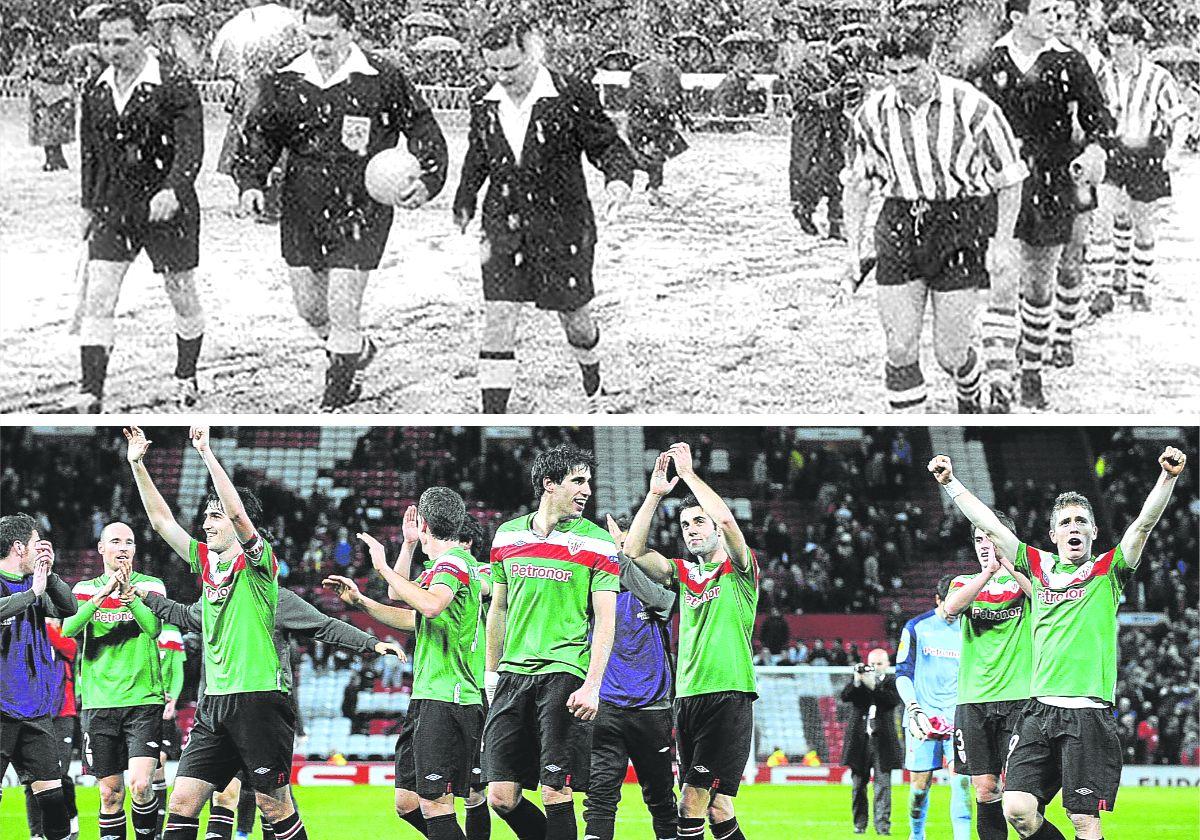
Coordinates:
<point>552,572</point>
<point>927,660</point>
<point>120,683</point>
<point>716,687</point>
<point>246,721</point>
<point>993,674</point>
<point>333,109</point>
<point>1067,738</point>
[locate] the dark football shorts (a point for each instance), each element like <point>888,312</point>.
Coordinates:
<point>478,783</point>
<point>32,746</point>
<point>173,245</point>
<point>553,275</point>
<point>1077,751</point>
<point>253,731</point>
<point>715,732</point>
<point>329,221</point>
<point>941,243</point>
<point>168,740</point>
<point>438,749</point>
<point>1140,171</point>
<point>981,735</point>
<point>113,736</point>
<point>1049,204</point>
<point>531,737</point>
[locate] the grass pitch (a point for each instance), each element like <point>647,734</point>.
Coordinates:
<point>765,812</point>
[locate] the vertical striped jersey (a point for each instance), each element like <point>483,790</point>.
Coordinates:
<point>1144,102</point>
<point>956,144</point>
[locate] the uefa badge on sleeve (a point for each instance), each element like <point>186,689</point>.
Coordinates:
<point>356,133</point>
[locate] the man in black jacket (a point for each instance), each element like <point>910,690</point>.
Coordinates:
<point>871,742</point>
<point>527,134</point>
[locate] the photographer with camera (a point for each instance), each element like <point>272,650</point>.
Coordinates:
<point>871,742</point>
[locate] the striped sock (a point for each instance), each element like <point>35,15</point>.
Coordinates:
<point>160,803</point>
<point>967,377</point>
<point>905,392</point>
<point>1067,296</point>
<point>1035,328</point>
<point>1100,265</point>
<point>690,828</point>
<point>220,823</point>
<point>145,819</point>
<point>727,830</point>
<point>1143,267</point>
<point>1122,239</point>
<point>112,826</point>
<point>999,344</point>
<point>291,828</point>
<point>181,828</point>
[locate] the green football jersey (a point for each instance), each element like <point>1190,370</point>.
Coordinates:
<point>448,644</point>
<point>117,664</point>
<point>1074,622</point>
<point>238,603</point>
<point>717,604</point>
<point>997,652</point>
<point>550,581</point>
<point>481,572</point>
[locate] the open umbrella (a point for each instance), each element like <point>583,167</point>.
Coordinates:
<point>438,44</point>
<point>688,36</point>
<point>430,20</point>
<point>170,11</point>
<point>79,51</point>
<point>618,59</point>
<point>742,36</point>
<point>93,11</point>
<point>1175,54</point>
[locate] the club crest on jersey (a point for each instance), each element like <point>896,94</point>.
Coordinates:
<point>574,545</point>
<point>356,133</point>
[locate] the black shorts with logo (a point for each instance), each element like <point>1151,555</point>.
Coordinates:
<point>715,732</point>
<point>113,736</point>
<point>1139,171</point>
<point>253,731</point>
<point>32,746</point>
<point>438,749</point>
<point>1075,750</point>
<point>531,737</point>
<point>982,732</point>
<point>941,243</point>
<point>168,740</point>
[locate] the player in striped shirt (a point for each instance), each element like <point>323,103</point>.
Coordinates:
<point>993,674</point>
<point>1145,100</point>
<point>1067,738</point>
<point>552,572</point>
<point>120,682</point>
<point>1043,86</point>
<point>940,151</point>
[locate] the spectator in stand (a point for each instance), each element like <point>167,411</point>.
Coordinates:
<point>343,552</point>
<point>819,655</point>
<point>775,633</point>
<point>837,653</point>
<point>764,657</point>
<point>797,654</point>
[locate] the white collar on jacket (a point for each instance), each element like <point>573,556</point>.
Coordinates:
<point>306,66</point>
<point>151,74</point>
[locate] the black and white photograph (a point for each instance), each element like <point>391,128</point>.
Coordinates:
<point>596,207</point>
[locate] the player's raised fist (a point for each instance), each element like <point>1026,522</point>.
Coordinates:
<point>1172,461</point>
<point>199,437</point>
<point>659,485</point>
<point>941,469</point>
<point>681,454</point>
<point>138,444</point>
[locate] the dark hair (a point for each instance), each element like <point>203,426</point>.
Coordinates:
<point>443,511</point>
<point>250,502</point>
<point>908,39</point>
<point>513,31</point>
<point>341,9</point>
<point>943,586</point>
<point>1011,6</point>
<point>689,501</point>
<point>1127,24</point>
<point>623,521</point>
<point>472,532</point>
<point>123,11</point>
<point>16,527</point>
<point>1066,500</point>
<point>556,463</point>
<point>1005,520</point>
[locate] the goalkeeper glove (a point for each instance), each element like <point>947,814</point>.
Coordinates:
<point>918,722</point>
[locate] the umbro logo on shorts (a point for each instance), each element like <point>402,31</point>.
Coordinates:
<point>476,771</point>
<point>664,749</point>
<point>1084,791</point>
<point>262,771</point>
<point>553,768</point>
<point>152,744</point>
<point>700,768</point>
<point>433,777</point>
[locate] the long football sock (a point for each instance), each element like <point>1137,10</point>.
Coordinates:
<point>960,807</point>
<point>690,828</point>
<point>145,819</point>
<point>220,823</point>
<point>1143,267</point>
<point>33,813</point>
<point>93,363</point>
<point>497,374</point>
<point>187,351</point>
<point>1046,832</point>
<point>966,378</point>
<point>905,387</point>
<point>918,809</point>
<point>526,821</point>
<point>728,830</point>
<point>181,828</point>
<point>1067,298</point>
<point>479,821</point>
<point>247,809</point>
<point>560,821</point>
<point>291,828</point>
<point>1035,329</point>
<point>1122,234</point>
<point>990,822</point>
<point>160,802</point>
<point>1000,344</point>
<point>444,827</point>
<point>589,363</point>
<point>112,826</point>
<point>55,822</point>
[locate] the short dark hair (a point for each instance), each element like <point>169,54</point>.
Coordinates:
<point>250,502</point>
<point>623,521</point>
<point>443,511</point>
<point>511,31</point>
<point>1127,24</point>
<point>16,527</point>
<point>341,9</point>
<point>1066,500</point>
<point>689,501</point>
<point>472,532</point>
<point>123,11</point>
<point>909,39</point>
<point>943,586</point>
<point>556,463</point>
<point>1005,520</point>
<point>1011,6</point>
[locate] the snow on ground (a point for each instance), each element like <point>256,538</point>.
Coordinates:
<point>716,303</point>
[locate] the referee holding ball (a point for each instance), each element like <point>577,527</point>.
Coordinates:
<point>333,108</point>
